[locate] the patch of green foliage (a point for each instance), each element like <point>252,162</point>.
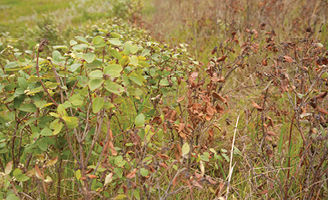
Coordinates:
<point>67,104</point>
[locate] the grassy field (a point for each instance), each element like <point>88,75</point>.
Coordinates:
<point>16,15</point>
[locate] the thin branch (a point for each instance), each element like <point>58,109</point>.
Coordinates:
<point>231,157</point>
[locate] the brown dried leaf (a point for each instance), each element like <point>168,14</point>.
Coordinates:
<point>264,192</point>
<point>270,121</point>
<point>174,181</point>
<point>264,62</point>
<point>91,176</point>
<point>181,127</point>
<point>271,133</point>
<point>255,105</point>
<point>321,95</point>
<point>221,59</point>
<point>288,59</point>
<point>197,184</point>
<point>163,156</point>
<point>193,77</point>
<point>268,138</point>
<point>132,174</point>
<point>163,165</point>
<point>198,176</point>
<point>218,96</point>
<point>181,99</point>
<point>38,172</point>
<point>112,149</point>
<point>210,180</point>
<point>322,110</point>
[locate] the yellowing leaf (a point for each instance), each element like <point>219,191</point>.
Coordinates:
<point>78,174</point>
<point>108,178</point>
<point>185,149</point>
<point>97,104</point>
<point>140,120</point>
<point>9,167</point>
<point>72,122</point>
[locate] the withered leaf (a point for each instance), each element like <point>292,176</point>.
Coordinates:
<point>271,133</point>
<point>288,59</point>
<point>210,180</point>
<point>181,99</point>
<point>163,165</point>
<point>112,149</point>
<point>218,96</point>
<point>321,95</point>
<point>221,59</point>
<point>322,110</point>
<point>268,138</point>
<point>38,172</point>
<point>197,184</point>
<point>264,62</point>
<point>255,105</point>
<point>91,176</point>
<point>132,174</point>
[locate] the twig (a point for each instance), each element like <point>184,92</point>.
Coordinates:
<point>171,183</point>
<point>231,157</point>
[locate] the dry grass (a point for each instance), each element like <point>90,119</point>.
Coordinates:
<point>268,166</point>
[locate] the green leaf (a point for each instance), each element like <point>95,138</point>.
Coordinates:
<point>22,83</point>
<point>134,60</point>
<point>74,67</point>
<point>18,174</point>
<point>57,57</point>
<point>46,132</point>
<point>129,48</point>
<point>164,82</point>
<point>60,47</point>
<point>119,161</point>
<point>136,79</point>
<point>98,41</point>
<point>89,57</point>
<point>12,197</point>
<point>95,84</point>
<point>115,42</point>
<point>97,104</point>
<point>185,149</point>
<point>11,65</point>
<point>72,122</point>
<point>80,47</point>
<point>96,74</point>
<point>140,120</point>
<point>114,70</point>
<point>115,53</point>
<point>76,100</point>
<point>120,197</point>
<point>39,103</point>
<point>144,172</point>
<point>113,87</point>
<point>61,110</point>
<point>27,108</point>
<point>81,39</point>
<point>72,42</point>
<point>56,126</point>
<point>205,157</point>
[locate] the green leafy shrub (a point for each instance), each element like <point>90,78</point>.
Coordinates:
<point>86,112</point>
